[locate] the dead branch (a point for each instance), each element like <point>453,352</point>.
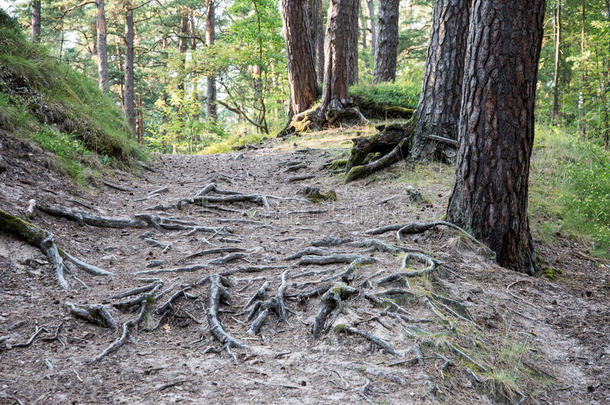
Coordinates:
<point>118,187</point>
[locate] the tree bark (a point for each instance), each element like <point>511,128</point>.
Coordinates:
<point>36,20</point>
<point>438,110</point>
<point>129,69</point>
<point>210,37</point>
<point>299,55</point>
<point>102,52</point>
<point>339,25</point>
<point>182,47</point>
<point>387,42</point>
<point>352,72</point>
<point>557,56</point>
<point>496,132</point>
<point>317,37</point>
<point>371,6</point>
<point>119,59</point>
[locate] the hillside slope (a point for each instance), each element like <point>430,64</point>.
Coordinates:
<point>60,109</point>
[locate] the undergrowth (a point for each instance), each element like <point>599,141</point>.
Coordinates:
<point>570,188</point>
<point>401,95</point>
<point>58,107</point>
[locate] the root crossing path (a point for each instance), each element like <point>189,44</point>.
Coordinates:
<point>227,285</point>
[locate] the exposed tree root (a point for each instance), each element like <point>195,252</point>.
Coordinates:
<point>218,295</point>
<point>261,307</point>
<point>126,333</point>
<point>332,259</point>
<point>93,313</point>
<point>331,304</point>
<point>43,240</point>
<point>378,341</point>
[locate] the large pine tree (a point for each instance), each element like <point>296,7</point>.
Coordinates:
<point>496,129</point>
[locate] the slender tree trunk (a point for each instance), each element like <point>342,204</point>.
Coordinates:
<point>438,111</point>
<point>102,52</point>
<point>339,25</point>
<point>387,41</point>
<point>581,98</point>
<point>299,55</point>
<point>318,30</point>
<point>210,37</point>
<point>352,72</point>
<point>371,6</point>
<point>182,47</point>
<point>557,59</point>
<point>119,57</point>
<point>496,132</point>
<point>129,70</point>
<point>36,20</point>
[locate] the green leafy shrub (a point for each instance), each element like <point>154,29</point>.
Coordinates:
<point>571,181</point>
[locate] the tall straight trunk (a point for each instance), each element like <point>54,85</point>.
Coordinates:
<point>352,73</point>
<point>299,55</point>
<point>210,37</point>
<point>370,4</point>
<point>387,41</point>
<point>129,70</point>
<point>102,52</point>
<point>438,111</point>
<point>581,100</point>
<point>496,130</point>
<point>318,30</point>
<point>119,58</point>
<point>557,59</point>
<point>36,20</point>
<point>182,47</point>
<point>339,25</point>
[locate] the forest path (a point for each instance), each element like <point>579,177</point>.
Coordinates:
<point>524,327</point>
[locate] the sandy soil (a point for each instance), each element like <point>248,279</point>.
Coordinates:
<point>549,337</point>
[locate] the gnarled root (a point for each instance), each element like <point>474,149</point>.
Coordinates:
<point>93,313</point>
<point>331,304</point>
<point>261,307</point>
<point>219,294</point>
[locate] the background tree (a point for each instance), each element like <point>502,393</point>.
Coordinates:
<point>489,197</point>
<point>387,41</point>
<point>102,52</point>
<point>36,20</point>
<point>129,99</point>
<point>352,67</point>
<point>210,38</point>
<point>438,109</point>
<point>317,36</point>
<point>299,55</point>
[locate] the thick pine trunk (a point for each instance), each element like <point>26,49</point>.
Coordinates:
<point>339,25</point>
<point>387,42</point>
<point>210,37</point>
<point>557,59</point>
<point>496,132</point>
<point>36,20</point>
<point>370,4</point>
<point>438,110</point>
<point>129,70</point>
<point>352,70</point>
<point>102,52</point>
<point>299,55</point>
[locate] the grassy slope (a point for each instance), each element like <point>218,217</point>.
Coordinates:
<point>59,108</point>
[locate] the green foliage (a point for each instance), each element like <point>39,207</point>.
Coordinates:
<point>232,142</point>
<point>571,181</point>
